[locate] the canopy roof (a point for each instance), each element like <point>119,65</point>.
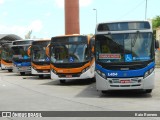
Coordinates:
<point>8,38</point>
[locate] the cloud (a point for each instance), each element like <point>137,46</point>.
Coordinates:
<point>35,26</point>
<point>1,2</point>
<point>83,3</point>
<point>59,3</point>
<point>15,29</point>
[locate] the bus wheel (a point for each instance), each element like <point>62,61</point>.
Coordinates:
<point>10,70</point>
<point>22,73</point>
<point>41,76</point>
<point>148,91</point>
<point>62,81</point>
<point>104,92</point>
<point>93,79</point>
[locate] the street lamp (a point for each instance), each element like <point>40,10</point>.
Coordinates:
<point>146,11</point>
<point>96,15</point>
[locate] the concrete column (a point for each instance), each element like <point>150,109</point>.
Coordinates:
<point>72,17</point>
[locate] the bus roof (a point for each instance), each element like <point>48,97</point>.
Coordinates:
<point>125,21</point>
<point>47,39</point>
<point>70,35</point>
<point>23,40</point>
<point>6,44</point>
<point>124,25</point>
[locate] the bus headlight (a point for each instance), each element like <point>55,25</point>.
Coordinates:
<point>84,70</point>
<point>34,67</point>
<point>101,74</point>
<point>147,73</point>
<point>54,71</point>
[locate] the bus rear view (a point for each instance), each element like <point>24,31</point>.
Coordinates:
<point>125,56</point>
<point>40,62</point>
<point>71,57</point>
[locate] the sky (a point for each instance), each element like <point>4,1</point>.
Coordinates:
<point>46,17</point>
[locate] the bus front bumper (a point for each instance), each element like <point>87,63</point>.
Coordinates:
<point>136,83</point>
<point>35,72</point>
<point>26,69</point>
<point>6,67</point>
<point>87,74</point>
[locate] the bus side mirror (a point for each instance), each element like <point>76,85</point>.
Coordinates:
<point>47,50</point>
<point>29,51</point>
<point>156,44</point>
<point>92,52</point>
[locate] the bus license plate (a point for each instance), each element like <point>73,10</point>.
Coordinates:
<point>125,81</point>
<point>68,76</point>
<point>24,68</point>
<point>45,71</point>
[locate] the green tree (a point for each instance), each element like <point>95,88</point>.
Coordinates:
<point>155,24</point>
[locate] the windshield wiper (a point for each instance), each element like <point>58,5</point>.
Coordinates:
<point>135,38</point>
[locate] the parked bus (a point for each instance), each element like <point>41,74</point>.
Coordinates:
<point>0,54</point>
<point>72,57</point>
<point>125,56</point>
<point>21,59</point>
<point>40,62</point>
<point>6,57</point>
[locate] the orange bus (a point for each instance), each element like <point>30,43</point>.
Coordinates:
<point>72,57</point>
<point>40,62</point>
<point>6,57</point>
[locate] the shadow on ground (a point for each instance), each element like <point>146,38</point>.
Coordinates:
<point>77,82</point>
<point>90,91</point>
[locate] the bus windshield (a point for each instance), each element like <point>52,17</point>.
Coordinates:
<point>20,53</point>
<point>69,53</point>
<point>126,47</point>
<point>6,53</point>
<point>39,52</point>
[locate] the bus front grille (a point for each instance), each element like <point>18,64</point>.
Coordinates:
<point>136,85</point>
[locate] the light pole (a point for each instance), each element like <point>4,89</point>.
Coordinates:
<point>96,15</point>
<point>146,11</point>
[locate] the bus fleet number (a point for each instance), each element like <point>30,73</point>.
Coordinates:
<point>112,74</point>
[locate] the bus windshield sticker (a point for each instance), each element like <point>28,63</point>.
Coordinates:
<point>71,59</point>
<point>109,56</point>
<point>41,60</point>
<point>47,59</point>
<point>59,61</point>
<point>141,58</point>
<point>128,58</point>
<point>17,56</point>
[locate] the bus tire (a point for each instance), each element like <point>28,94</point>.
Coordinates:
<point>62,81</point>
<point>10,70</point>
<point>41,76</point>
<point>93,79</point>
<point>22,73</point>
<point>148,91</point>
<point>104,92</point>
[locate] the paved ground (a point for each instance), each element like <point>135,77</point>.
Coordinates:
<point>29,93</point>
